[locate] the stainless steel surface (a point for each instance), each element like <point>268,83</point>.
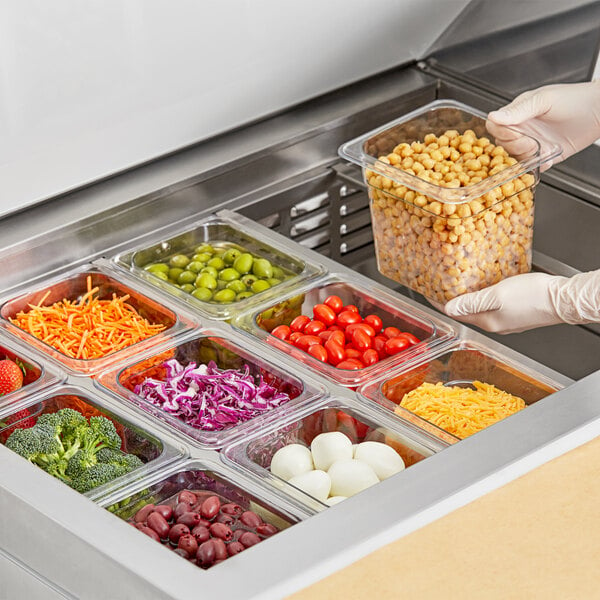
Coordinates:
<point>283,172</point>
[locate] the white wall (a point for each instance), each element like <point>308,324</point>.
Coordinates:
<point>92,87</point>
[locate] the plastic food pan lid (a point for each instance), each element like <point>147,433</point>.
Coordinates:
<point>437,117</point>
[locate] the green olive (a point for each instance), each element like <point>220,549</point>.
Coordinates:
<point>211,271</point>
<point>206,280</point>
<point>262,268</point>
<point>179,260</point>
<point>243,263</point>
<point>244,295</point>
<point>220,250</point>
<point>195,266</point>
<point>157,268</point>
<point>229,274</point>
<point>188,288</point>
<point>174,273</point>
<point>216,262</point>
<point>230,256</point>
<point>273,281</point>
<point>186,277</point>
<point>260,286</point>
<point>202,257</point>
<point>161,275</point>
<point>278,273</point>
<point>204,248</point>
<point>237,286</point>
<point>225,296</point>
<point>248,280</point>
<point>202,293</point>
<point>221,285</point>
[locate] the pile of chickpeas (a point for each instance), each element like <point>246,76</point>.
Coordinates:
<point>443,249</point>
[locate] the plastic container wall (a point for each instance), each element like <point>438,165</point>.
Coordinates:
<point>452,211</point>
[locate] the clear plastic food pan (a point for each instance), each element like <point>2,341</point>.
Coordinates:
<point>20,316</point>
<point>375,300</point>
<point>358,423</point>
<point>235,362</point>
<point>459,366</point>
<point>219,266</point>
<point>452,210</point>
<point>241,507</point>
<point>154,452</point>
<point>36,374</point>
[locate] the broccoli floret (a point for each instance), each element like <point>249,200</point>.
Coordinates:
<point>101,433</point>
<point>25,442</point>
<point>96,475</point>
<point>116,457</point>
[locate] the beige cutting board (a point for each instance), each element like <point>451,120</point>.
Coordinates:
<point>536,537</point>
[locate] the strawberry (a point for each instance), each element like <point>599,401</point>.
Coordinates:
<point>27,422</point>
<point>11,376</point>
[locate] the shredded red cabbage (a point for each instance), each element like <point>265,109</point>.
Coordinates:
<point>209,398</point>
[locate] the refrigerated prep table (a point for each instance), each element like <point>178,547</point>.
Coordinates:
<point>284,174</point>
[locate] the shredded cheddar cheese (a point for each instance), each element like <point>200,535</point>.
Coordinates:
<point>459,411</point>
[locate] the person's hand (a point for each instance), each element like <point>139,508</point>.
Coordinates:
<point>527,301</point>
<point>567,115</point>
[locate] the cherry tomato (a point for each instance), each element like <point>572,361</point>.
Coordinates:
<point>314,327</point>
<point>299,323</point>
<point>347,317</point>
<point>413,339</point>
<point>375,322</point>
<point>361,340</point>
<point>325,335</point>
<point>324,313</point>
<point>350,364</point>
<point>318,352</point>
<point>282,332</point>
<point>370,357</point>
<point>334,328</point>
<point>335,352</point>
<point>334,302</point>
<point>305,341</point>
<point>357,429</point>
<point>350,307</point>
<point>353,353</point>
<point>294,337</point>
<point>391,332</point>
<point>338,337</point>
<point>396,344</point>
<point>379,342</point>
<point>362,326</point>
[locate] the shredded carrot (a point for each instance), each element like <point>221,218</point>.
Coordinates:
<point>89,328</point>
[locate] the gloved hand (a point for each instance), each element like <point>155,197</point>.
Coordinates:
<point>564,114</point>
<point>532,300</point>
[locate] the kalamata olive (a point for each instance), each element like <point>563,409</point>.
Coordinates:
<point>206,553</point>
<point>204,523</point>
<point>217,562</point>
<point>181,552</point>
<point>177,531</point>
<point>188,543</point>
<point>165,510</point>
<point>191,519</point>
<point>238,533</point>
<point>157,522</point>
<point>180,508</point>
<point>232,509</point>
<point>248,538</point>
<point>266,529</point>
<point>150,533</point>
<point>250,519</point>
<point>187,496</point>
<point>139,525</point>
<point>142,514</point>
<point>225,519</point>
<point>222,531</point>
<point>201,533</point>
<point>210,507</point>
<point>220,549</point>
<point>235,548</point>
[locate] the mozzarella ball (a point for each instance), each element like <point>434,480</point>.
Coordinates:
<point>385,461</point>
<point>334,500</point>
<point>350,476</point>
<point>291,460</point>
<point>328,447</point>
<point>316,483</point>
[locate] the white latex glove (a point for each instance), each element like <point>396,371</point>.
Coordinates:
<point>532,300</point>
<point>564,114</point>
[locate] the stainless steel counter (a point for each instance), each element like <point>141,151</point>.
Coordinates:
<point>283,172</point>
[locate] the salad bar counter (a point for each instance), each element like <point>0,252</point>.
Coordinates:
<point>211,365</point>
